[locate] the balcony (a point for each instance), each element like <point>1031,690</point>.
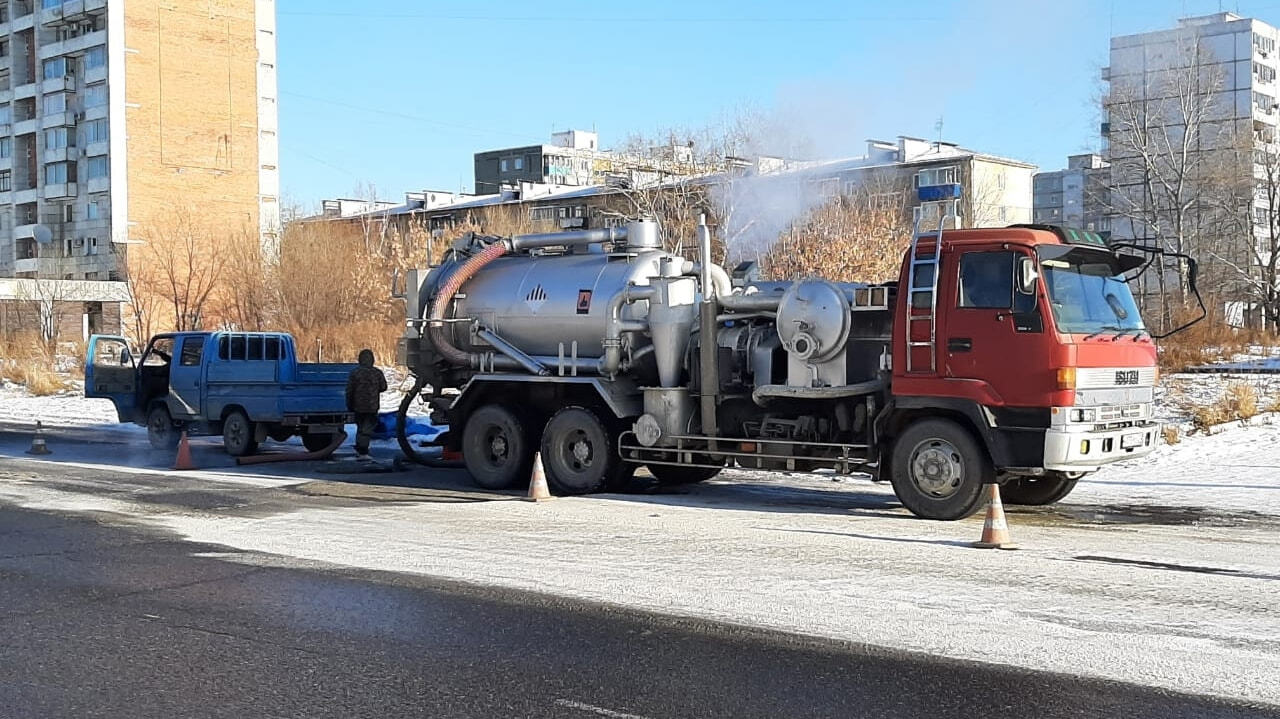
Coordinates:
<point>1266,115</point>
<point>25,232</point>
<point>26,195</point>
<point>5,129</point>
<point>95,74</point>
<point>94,149</point>
<point>59,119</point>
<point>37,265</point>
<point>60,154</point>
<point>99,184</point>
<point>26,127</point>
<point>51,15</point>
<point>66,83</point>
<point>26,89</point>
<point>60,191</point>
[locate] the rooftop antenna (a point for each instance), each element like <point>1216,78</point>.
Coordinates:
<point>937,127</point>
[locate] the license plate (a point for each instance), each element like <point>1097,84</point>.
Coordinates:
<point>1129,441</point>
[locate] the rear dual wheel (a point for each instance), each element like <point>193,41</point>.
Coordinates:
<point>580,453</point>
<point>496,448</point>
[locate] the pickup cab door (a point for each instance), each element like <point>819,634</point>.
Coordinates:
<point>110,373</point>
<point>992,336</point>
<point>186,377</point>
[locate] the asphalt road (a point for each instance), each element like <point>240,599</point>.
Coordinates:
<point>99,618</point>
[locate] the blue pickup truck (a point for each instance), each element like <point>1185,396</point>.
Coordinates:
<point>246,386</point>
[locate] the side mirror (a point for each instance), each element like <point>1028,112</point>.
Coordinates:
<point>1027,275</point>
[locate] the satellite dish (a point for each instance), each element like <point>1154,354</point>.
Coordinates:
<point>42,234</point>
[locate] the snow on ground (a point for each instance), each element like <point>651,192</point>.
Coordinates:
<point>1161,572</point>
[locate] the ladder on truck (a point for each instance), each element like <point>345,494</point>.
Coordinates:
<point>917,287</point>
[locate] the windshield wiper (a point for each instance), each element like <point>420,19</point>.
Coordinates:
<point>1104,328</point>
<point>1137,333</point>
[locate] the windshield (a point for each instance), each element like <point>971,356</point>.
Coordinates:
<point>1087,292</point>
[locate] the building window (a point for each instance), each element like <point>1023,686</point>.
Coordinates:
<point>1264,102</point>
<point>519,163</point>
<point>56,173</point>
<point>6,147</point>
<point>936,176</point>
<point>92,211</point>
<point>95,57</point>
<point>56,138</point>
<point>55,68</point>
<point>95,131</point>
<point>97,167</point>
<point>6,180</point>
<point>502,165</point>
<point>55,102</point>
<point>95,95</point>
<point>47,4</point>
<point>6,114</point>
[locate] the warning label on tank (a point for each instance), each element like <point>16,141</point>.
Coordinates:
<point>584,302</point>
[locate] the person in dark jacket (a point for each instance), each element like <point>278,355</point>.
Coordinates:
<point>364,385</point>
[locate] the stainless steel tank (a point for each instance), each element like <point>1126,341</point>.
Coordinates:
<point>538,302</point>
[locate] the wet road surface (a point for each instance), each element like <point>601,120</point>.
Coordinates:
<point>102,619</point>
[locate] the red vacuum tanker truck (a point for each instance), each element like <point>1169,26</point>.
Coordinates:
<point>1014,355</point>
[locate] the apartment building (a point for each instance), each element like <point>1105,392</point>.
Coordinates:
<point>1075,196</point>
<point>1217,76</point>
<point>114,114</point>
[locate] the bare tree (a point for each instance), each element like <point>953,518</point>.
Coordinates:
<point>1247,254</point>
<point>1162,130</point>
<point>858,236</point>
<point>188,265</point>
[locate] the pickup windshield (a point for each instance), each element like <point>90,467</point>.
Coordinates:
<point>1087,292</point>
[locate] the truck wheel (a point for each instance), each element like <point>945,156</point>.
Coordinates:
<point>314,442</point>
<point>669,474</point>
<point>496,449</point>
<point>160,430</point>
<point>579,453</point>
<point>938,470</point>
<point>1038,491</point>
<point>237,435</point>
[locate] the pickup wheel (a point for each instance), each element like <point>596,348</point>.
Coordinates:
<point>579,453</point>
<point>161,432</point>
<point>1038,491</point>
<point>496,449</point>
<point>237,435</point>
<point>938,470</point>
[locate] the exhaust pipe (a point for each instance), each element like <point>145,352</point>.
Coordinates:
<point>709,375</point>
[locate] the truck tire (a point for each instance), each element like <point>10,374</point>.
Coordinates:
<point>316,441</point>
<point>496,449</point>
<point>670,474</point>
<point>161,432</point>
<point>1039,491</point>
<point>580,453</point>
<point>238,435</point>
<point>938,470</point>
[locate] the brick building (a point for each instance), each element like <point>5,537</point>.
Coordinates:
<point>114,114</point>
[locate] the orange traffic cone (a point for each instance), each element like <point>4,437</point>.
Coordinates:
<point>183,460</point>
<point>38,445</point>
<point>538,491</point>
<point>995,531</point>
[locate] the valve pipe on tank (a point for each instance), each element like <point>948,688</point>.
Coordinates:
<point>612,342</point>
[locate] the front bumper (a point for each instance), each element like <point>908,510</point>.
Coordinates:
<point>1084,449</point>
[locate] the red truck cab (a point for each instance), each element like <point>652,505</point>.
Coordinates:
<point>1029,337</point>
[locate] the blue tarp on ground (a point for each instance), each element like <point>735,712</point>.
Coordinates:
<point>414,426</point>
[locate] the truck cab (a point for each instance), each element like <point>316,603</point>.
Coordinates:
<point>247,386</point>
<point>1030,336</point>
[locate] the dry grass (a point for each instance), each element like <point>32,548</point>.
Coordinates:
<point>1239,401</point>
<point>342,343</point>
<point>1171,434</point>
<point>1210,341</point>
<point>27,361</point>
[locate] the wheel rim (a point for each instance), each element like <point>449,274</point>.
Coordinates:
<point>937,468</point>
<point>235,431</point>
<point>159,424</point>
<point>577,451</point>
<point>496,445</point>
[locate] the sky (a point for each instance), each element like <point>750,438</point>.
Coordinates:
<point>397,95</point>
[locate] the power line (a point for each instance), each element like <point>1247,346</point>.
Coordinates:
<point>603,19</point>
<point>471,130</point>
